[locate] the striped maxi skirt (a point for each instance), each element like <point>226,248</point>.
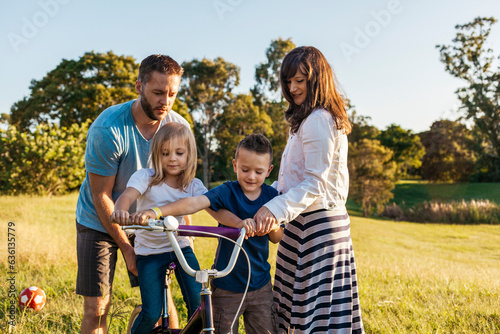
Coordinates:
<point>316,287</point>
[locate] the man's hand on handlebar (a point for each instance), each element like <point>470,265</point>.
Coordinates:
<point>120,217</point>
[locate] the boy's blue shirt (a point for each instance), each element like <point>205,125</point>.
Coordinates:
<point>230,196</point>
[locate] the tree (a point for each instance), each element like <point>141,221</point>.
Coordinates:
<point>371,175</point>
<point>448,152</point>
<point>206,90</point>
<point>469,59</point>
<point>267,96</point>
<point>77,90</point>
<point>182,109</point>
<point>360,127</point>
<point>4,120</point>
<point>486,168</point>
<point>268,86</point>
<point>240,118</point>
<point>47,161</point>
<point>406,146</point>
<point>279,132</point>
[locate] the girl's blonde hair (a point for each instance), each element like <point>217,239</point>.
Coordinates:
<point>322,88</point>
<point>164,135</point>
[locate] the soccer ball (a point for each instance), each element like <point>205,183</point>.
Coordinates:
<point>32,297</point>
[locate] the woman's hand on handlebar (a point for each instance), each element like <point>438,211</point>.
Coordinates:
<point>265,221</point>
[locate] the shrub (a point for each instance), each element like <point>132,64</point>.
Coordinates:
<point>47,161</point>
<point>393,211</point>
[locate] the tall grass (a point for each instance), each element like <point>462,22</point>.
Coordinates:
<point>454,212</point>
<point>413,278</point>
<point>455,203</point>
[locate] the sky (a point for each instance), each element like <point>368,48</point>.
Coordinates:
<point>383,52</point>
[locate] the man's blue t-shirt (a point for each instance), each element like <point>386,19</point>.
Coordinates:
<point>230,196</point>
<point>115,146</point>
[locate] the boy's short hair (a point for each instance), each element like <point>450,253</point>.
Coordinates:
<point>258,143</point>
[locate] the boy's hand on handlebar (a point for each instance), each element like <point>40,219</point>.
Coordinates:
<point>249,225</point>
<point>141,217</point>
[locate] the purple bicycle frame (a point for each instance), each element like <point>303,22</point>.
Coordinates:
<point>192,231</point>
<point>204,312</point>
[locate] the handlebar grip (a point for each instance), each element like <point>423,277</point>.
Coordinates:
<point>192,231</point>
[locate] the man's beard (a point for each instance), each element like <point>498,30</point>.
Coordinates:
<point>148,109</point>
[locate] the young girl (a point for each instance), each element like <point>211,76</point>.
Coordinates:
<point>173,160</point>
<point>316,288</point>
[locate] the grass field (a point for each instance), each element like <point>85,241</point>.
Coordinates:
<point>413,278</point>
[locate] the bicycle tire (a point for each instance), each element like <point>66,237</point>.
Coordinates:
<point>133,316</point>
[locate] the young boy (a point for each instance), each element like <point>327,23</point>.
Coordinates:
<point>244,198</point>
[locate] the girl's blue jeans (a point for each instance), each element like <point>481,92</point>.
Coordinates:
<point>152,270</point>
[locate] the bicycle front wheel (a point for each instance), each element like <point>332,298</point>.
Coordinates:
<point>133,317</point>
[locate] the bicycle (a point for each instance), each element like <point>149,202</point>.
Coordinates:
<point>202,320</point>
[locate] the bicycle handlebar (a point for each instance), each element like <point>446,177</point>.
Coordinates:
<point>170,225</point>
<point>201,231</point>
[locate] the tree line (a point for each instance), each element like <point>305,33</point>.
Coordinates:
<point>43,140</point>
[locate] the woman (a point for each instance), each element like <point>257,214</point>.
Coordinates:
<point>315,283</point>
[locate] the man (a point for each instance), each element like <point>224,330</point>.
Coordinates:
<point>117,146</point>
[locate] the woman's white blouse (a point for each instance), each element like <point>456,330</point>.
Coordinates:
<point>313,172</point>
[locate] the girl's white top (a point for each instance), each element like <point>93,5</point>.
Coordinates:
<point>313,173</point>
<point>156,242</point>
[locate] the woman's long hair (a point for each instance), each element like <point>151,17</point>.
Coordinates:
<point>165,135</point>
<point>322,89</point>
